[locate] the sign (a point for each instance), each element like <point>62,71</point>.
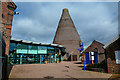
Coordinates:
<point>117,57</point>
<point>21,48</point>
<point>83,53</point>
<point>24,51</point>
<point>91,55</point>
<point>42,50</point>
<point>32,49</point>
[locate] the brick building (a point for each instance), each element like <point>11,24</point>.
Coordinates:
<point>113,63</point>
<point>7,9</point>
<point>68,36</point>
<point>98,50</point>
<point>7,17</point>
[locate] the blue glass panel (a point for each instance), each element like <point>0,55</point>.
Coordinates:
<point>12,46</point>
<point>32,49</point>
<point>42,50</point>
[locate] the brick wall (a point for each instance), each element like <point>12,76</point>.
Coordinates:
<point>67,35</point>
<point>100,50</point>
<point>111,62</point>
<point>7,17</point>
<point>101,57</point>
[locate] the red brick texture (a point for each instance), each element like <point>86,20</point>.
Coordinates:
<point>7,17</point>
<point>99,46</point>
<point>111,61</point>
<point>68,36</point>
<point>95,44</point>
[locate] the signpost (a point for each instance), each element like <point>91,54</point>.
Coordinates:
<point>82,49</point>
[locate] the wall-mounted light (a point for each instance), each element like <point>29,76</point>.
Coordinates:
<point>16,13</point>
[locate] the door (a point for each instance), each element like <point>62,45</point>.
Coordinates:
<point>74,57</point>
<point>88,61</point>
<point>87,58</point>
<point>95,58</point>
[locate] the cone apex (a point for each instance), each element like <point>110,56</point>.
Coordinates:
<point>65,10</point>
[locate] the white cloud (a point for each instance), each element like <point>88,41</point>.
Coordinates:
<point>39,21</point>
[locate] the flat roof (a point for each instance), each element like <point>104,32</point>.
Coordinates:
<point>36,43</point>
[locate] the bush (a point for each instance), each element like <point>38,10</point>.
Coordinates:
<point>98,65</point>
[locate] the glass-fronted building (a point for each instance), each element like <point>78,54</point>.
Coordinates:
<point>27,52</point>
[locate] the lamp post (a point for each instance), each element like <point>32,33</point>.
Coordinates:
<point>82,49</point>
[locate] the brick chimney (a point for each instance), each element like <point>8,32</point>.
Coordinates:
<point>67,34</point>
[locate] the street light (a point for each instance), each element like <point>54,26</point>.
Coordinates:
<point>16,13</point>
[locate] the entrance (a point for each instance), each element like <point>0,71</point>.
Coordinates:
<point>74,57</point>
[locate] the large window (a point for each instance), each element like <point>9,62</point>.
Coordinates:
<point>50,50</point>
<point>117,56</point>
<point>22,48</point>
<point>32,49</point>
<point>13,46</point>
<point>42,50</point>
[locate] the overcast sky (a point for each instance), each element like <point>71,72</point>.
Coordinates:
<point>38,21</point>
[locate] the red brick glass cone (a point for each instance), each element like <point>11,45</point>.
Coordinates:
<point>68,36</point>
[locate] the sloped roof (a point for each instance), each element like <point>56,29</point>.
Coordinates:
<point>113,40</point>
<point>95,44</point>
<point>66,33</point>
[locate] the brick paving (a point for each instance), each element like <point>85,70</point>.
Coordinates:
<point>54,70</point>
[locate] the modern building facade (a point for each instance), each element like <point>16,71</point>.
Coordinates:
<point>27,52</point>
<point>68,36</point>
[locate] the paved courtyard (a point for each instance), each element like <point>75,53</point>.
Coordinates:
<point>54,70</point>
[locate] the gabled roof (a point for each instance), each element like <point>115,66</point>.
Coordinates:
<point>116,38</point>
<point>95,44</point>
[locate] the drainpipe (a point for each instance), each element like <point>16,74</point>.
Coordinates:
<point>106,59</point>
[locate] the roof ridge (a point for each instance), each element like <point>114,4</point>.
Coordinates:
<point>98,42</point>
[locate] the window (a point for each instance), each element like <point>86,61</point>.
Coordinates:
<point>117,57</point>
<point>13,46</point>
<point>22,48</point>
<point>32,49</point>
<point>3,16</point>
<point>42,50</point>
